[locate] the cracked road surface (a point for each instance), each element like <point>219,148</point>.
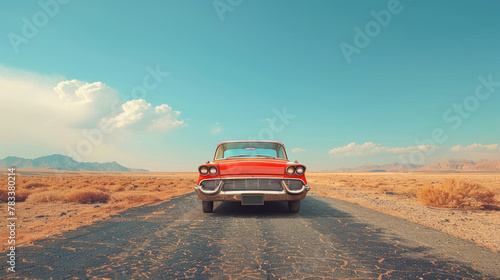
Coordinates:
<point>328,239</point>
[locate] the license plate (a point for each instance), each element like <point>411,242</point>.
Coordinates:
<point>252,199</point>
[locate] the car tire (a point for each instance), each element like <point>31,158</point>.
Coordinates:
<point>208,206</point>
<point>294,206</point>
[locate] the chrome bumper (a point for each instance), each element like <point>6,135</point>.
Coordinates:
<point>218,194</point>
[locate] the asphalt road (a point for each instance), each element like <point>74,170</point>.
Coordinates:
<point>328,239</point>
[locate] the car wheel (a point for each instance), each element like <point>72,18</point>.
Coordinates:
<point>294,206</point>
<point>208,206</point>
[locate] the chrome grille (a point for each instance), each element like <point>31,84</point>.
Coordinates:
<point>210,185</point>
<point>252,184</point>
<point>294,185</point>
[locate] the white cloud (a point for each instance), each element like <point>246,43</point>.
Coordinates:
<point>84,104</point>
<point>370,148</point>
<point>48,113</point>
<point>140,115</point>
<point>165,119</point>
<point>298,150</point>
<point>216,129</point>
<point>476,147</point>
<point>133,112</point>
<point>78,92</point>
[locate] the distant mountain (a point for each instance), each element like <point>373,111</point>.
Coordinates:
<point>61,162</point>
<point>450,165</point>
<point>392,167</point>
<point>492,165</point>
<point>442,165</point>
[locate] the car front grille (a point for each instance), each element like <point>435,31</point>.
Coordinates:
<point>252,184</point>
<point>210,185</point>
<point>294,185</point>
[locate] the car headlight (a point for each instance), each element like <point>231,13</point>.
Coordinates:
<point>290,170</point>
<point>203,170</point>
<point>213,170</point>
<point>300,170</point>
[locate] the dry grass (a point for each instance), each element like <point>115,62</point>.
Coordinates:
<point>469,191</point>
<point>52,202</point>
<point>35,185</point>
<point>88,196</point>
<point>456,194</point>
<point>45,196</point>
<point>472,200</point>
<point>81,188</point>
<point>21,195</point>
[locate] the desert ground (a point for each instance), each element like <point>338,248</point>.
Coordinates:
<point>465,205</point>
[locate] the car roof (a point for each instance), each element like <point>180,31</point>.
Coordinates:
<point>258,141</point>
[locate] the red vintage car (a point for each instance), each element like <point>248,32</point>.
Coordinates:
<point>251,172</point>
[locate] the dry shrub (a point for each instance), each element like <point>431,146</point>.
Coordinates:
<point>117,188</point>
<point>154,188</point>
<point>35,185</point>
<point>20,195</point>
<point>45,196</point>
<point>456,194</point>
<point>101,188</point>
<point>3,195</point>
<point>87,196</point>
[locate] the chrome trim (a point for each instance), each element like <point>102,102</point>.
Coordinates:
<point>259,177</point>
<point>293,192</point>
<point>252,192</point>
<point>216,191</point>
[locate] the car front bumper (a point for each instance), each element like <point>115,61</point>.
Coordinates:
<point>283,193</point>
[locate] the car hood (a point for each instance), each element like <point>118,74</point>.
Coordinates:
<point>267,167</point>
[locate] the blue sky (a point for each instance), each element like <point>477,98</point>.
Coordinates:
<point>174,78</point>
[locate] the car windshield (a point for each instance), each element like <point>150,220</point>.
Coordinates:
<point>250,150</point>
